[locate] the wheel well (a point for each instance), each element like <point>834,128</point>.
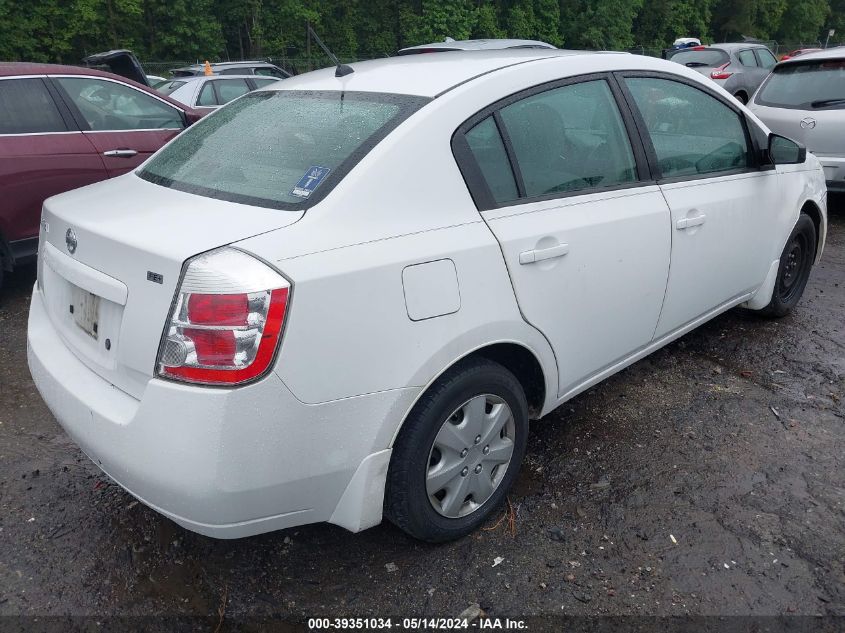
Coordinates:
<point>815,214</point>
<point>522,364</point>
<point>6,259</point>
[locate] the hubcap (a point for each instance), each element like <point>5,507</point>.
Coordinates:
<point>470,456</point>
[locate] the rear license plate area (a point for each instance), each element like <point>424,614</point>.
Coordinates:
<point>85,309</point>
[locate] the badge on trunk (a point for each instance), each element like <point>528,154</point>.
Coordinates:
<point>70,241</point>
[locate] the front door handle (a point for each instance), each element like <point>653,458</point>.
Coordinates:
<point>121,153</point>
<point>539,254</point>
<point>687,223</point>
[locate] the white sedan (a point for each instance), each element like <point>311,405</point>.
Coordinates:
<point>343,297</point>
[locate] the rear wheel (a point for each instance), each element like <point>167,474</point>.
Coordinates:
<point>458,452</point>
<point>796,262</point>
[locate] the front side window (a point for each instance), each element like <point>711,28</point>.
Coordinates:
<point>692,132</point>
<point>278,149</point>
<point>746,58</point>
<point>570,138</point>
<point>111,106</point>
<point>28,108</point>
<point>811,85</point>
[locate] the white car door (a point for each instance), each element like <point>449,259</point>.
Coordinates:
<point>725,217</point>
<point>584,233</point>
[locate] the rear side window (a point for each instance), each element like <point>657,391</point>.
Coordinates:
<point>228,89</point>
<point>168,87</point>
<point>28,108</point>
<point>692,132</point>
<point>260,83</point>
<point>270,71</point>
<point>278,149</point>
<point>709,57</point>
<point>568,139</point>
<point>207,97</point>
<point>765,58</point>
<point>806,86</point>
<point>487,147</point>
<point>746,58</point>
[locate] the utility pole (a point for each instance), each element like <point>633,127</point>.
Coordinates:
<point>829,34</point>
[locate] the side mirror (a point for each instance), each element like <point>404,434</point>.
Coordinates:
<point>784,151</point>
<point>192,116</point>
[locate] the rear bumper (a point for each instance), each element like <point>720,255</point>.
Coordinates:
<point>225,463</point>
<point>834,172</point>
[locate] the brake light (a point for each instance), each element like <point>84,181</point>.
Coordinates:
<point>720,72</point>
<point>699,48</point>
<point>226,322</point>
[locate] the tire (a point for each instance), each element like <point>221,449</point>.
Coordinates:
<point>436,484</point>
<point>740,96</point>
<point>796,262</point>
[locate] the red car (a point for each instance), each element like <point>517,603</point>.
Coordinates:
<point>62,127</point>
<point>800,51</point>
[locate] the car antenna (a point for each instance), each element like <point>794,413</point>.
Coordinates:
<point>342,69</point>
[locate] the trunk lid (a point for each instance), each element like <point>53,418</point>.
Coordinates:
<point>111,257</point>
<point>821,131</point>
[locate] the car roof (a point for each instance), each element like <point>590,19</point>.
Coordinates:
<point>477,45</point>
<point>425,75</point>
<point>200,66</point>
<point>735,46</point>
<point>837,52</point>
<point>195,78</point>
<point>12,69</point>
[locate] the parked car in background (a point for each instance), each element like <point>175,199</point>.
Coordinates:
<point>282,319</point>
<point>119,62</point>
<point>800,51</point>
<point>212,91</point>
<point>63,127</point>
<point>804,99</point>
<point>471,45</point>
<point>154,80</point>
<point>233,68</point>
<point>738,68</point>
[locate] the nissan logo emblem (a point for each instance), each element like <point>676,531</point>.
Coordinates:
<point>808,123</point>
<point>70,241</point>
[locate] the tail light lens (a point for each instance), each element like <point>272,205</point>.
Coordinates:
<point>226,322</point>
<point>720,72</point>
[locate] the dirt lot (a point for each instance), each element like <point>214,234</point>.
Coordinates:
<point>707,479</point>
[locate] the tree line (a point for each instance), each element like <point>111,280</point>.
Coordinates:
<point>66,30</point>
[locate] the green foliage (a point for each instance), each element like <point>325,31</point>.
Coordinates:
<point>188,30</point>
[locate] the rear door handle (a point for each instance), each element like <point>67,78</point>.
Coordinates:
<point>539,254</point>
<point>121,153</point>
<point>687,223</point>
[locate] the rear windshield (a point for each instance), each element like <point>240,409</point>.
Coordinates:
<point>709,57</point>
<point>280,149</point>
<point>167,87</point>
<point>810,85</point>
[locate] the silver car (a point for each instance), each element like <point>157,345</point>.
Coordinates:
<point>209,92</point>
<point>804,99</point>
<point>738,68</point>
<point>471,45</point>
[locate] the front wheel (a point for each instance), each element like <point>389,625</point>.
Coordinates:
<point>796,261</point>
<point>458,452</point>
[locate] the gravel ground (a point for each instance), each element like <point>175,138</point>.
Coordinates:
<point>706,479</point>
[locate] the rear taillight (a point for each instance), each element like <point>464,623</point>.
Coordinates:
<point>226,321</point>
<point>720,72</point>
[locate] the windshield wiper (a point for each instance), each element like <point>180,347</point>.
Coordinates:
<point>826,102</point>
<point>695,64</point>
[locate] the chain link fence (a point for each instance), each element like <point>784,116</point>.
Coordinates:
<point>297,65</point>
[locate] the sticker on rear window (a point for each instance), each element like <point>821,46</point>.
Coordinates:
<point>308,183</point>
